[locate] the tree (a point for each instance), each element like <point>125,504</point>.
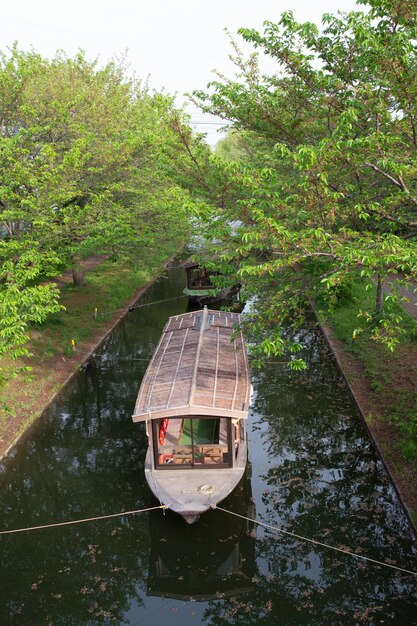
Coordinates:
<point>335,195</point>
<point>83,171</point>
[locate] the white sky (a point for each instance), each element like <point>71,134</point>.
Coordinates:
<point>177,43</point>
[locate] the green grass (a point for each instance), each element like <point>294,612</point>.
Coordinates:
<point>346,318</point>
<point>108,288</point>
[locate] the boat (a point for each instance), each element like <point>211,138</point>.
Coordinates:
<point>199,288</point>
<point>194,400</point>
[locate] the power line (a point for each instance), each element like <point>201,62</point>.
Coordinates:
<point>210,124</point>
<point>124,42</point>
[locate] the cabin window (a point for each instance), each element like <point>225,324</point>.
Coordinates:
<point>197,442</point>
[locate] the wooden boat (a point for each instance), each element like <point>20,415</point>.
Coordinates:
<point>199,288</point>
<point>194,400</point>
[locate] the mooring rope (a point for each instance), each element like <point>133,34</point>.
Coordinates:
<point>315,542</point>
<point>81,521</point>
<point>213,506</point>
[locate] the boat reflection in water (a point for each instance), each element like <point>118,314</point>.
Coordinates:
<point>212,559</point>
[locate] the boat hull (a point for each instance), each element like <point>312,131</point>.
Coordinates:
<point>190,492</point>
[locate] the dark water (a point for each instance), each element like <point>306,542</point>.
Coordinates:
<point>313,471</point>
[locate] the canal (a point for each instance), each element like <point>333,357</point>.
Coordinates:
<point>313,471</point>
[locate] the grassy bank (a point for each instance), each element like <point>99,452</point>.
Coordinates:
<point>62,343</point>
<point>384,384</point>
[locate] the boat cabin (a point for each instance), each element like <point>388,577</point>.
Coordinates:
<point>200,289</point>
<point>195,441</point>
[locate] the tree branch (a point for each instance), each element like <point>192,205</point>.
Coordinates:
<point>398,183</point>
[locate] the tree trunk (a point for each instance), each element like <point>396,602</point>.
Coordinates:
<point>379,296</point>
<point>78,276</point>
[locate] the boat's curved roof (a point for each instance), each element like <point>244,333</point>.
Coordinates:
<point>197,369</point>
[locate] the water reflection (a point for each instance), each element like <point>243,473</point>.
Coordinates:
<point>321,478</point>
<point>314,472</point>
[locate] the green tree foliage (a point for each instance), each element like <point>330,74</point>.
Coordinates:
<point>331,188</point>
<point>84,169</point>
<point>233,147</point>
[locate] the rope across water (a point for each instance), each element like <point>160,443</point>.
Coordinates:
<point>80,521</point>
<point>213,506</point>
<point>138,306</point>
<point>315,542</point>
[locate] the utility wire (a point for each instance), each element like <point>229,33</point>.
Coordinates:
<point>139,306</point>
<point>315,542</point>
<point>125,42</point>
<point>225,124</point>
